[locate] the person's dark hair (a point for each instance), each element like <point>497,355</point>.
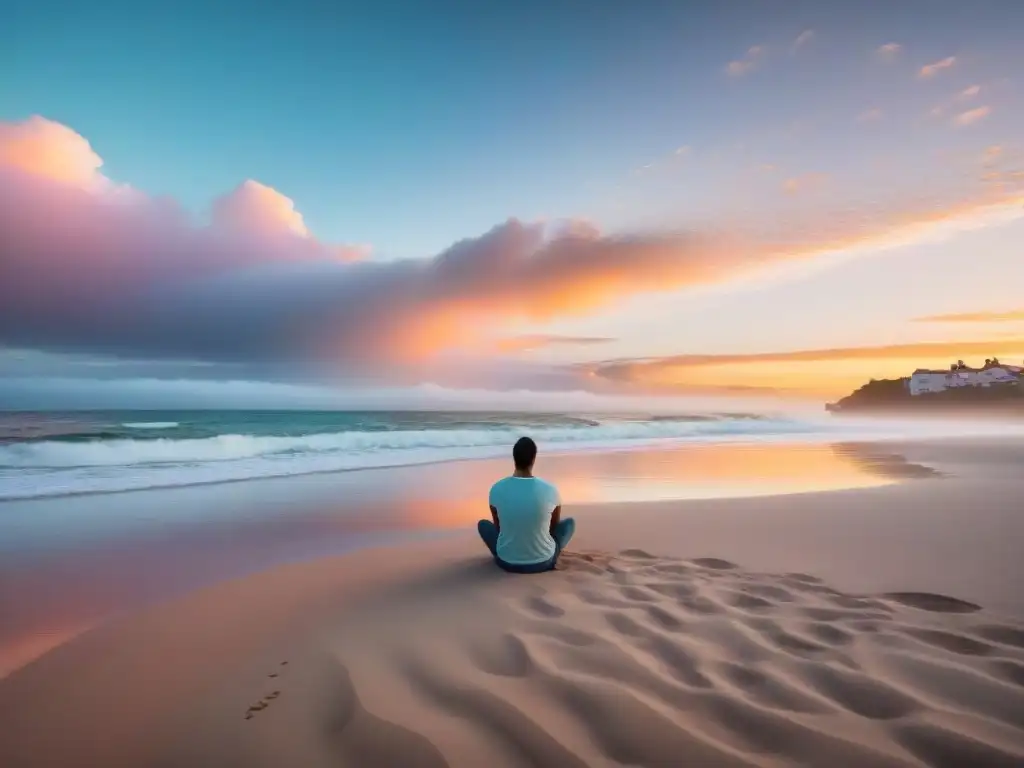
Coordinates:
<point>524,453</point>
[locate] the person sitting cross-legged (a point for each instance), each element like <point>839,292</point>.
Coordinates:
<point>525,533</point>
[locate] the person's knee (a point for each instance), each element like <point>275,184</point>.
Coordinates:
<point>489,534</point>
<point>564,531</point>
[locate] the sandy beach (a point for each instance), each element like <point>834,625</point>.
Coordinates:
<point>874,626</point>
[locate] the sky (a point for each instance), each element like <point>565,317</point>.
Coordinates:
<point>735,199</point>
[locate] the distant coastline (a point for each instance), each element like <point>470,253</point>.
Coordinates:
<point>992,389</point>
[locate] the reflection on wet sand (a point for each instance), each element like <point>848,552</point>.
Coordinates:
<point>875,460</point>
<point>34,643</point>
<point>689,472</point>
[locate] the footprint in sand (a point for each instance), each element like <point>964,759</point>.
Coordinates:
<point>260,705</point>
<point>263,703</point>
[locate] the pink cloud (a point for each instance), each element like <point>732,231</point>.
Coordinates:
<point>972,116</point>
<point>930,70</point>
<point>255,207</point>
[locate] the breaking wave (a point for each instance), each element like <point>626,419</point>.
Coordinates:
<point>58,467</point>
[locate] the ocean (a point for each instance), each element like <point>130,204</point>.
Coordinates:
<point>68,453</point>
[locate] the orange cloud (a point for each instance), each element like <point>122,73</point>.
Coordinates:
<point>930,70</point>
<point>536,341</point>
<point>1013,316</point>
<point>972,116</point>
<point>51,150</point>
<point>815,371</point>
<point>916,349</point>
<point>969,92</point>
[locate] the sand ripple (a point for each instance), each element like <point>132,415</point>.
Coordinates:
<point>636,660</point>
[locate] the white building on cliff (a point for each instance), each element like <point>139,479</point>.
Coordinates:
<point>924,380</point>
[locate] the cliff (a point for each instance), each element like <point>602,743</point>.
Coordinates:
<point>888,395</point>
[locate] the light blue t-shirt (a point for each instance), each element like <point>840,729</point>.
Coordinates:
<point>524,507</point>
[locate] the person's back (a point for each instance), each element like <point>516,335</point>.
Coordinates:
<point>525,533</point>
<point>524,507</point>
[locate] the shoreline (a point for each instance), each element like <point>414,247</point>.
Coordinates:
<point>665,444</point>
<point>176,678</point>
<point>156,474</point>
<point>669,445</point>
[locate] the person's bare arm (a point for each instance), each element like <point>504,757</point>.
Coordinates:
<point>556,516</point>
<point>494,517</point>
